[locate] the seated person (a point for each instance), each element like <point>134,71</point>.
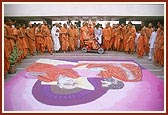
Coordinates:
<point>92,43</point>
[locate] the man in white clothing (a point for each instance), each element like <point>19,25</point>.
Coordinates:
<point>136,39</point>
<point>98,34</point>
<point>152,43</point>
<point>55,37</point>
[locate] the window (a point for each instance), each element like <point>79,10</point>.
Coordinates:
<point>134,22</point>
<point>32,22</point>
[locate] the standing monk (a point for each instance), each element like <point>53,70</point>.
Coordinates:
<point>83,34</point>
<point>117,35</point>
<point>8,43</point>
<point>156,49</point>
<point>19,35</point>
<point>10,35</point>
<point>131,34</point>
<point>25,40</point>
<point>31,36</point>
<point>39,39</point>
<point>76,35</point>
<point>140,44</point>
<point>123,37</point>
<point>107,36</point>
<point>112,37</point>
<point>159,48</point>
<point>44,32</point>
<point>71,38</point>
<point>64,38</point>
<point>49,40</point>
<point>6,55</point>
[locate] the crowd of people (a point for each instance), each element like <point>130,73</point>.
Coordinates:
<point>34,39</point>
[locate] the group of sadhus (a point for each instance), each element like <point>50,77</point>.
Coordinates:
<point>27,39</point>
<point>70,37</point>
<point>150,41</point>
<point>143,40</point>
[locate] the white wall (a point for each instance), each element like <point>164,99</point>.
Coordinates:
<point>83,9</point>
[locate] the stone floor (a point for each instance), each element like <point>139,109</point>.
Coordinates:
<point>78,55</point>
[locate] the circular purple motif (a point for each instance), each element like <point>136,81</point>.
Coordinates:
<point>45,94</point>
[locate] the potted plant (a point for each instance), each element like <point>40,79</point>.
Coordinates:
<point>13,59</point>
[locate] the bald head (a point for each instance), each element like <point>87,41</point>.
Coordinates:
<point>65,25</point>
<point>90,24</point>
<point>107,24</point>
